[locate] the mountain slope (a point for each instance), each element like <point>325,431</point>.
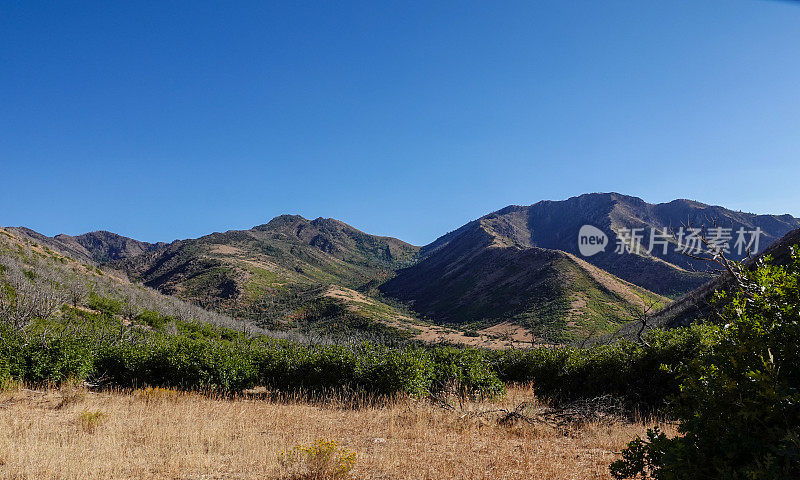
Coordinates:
<point>481,277</point>
<point>288,253</point>
<point>555,225</point>
<point>697,304</point>
<point>523,264</point>
<point>35,278</point>
<point>93,247</point>
<point>278,274</point>
<point>314,275</point>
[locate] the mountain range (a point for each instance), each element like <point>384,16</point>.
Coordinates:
<point>517,274</point>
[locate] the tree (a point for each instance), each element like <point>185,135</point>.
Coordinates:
<point>26,294</point>
<point>739,405</point>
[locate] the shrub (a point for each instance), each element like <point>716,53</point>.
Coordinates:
<point>400,371</point>
<point>466,371</point>
<point>90,421</point>
<point>201,357</point>
<point>175,361</point>
<point>639,374</point>
<point>5,372</point>
<point>108,306</point>
<point>47,358</point>
<point>153,319</point>
<point>320,460</point>
<point>156,394</point>
<point>739,402</point>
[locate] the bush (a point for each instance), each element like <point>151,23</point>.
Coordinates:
<point>466,370</point>
<point>174,361</point>
<point>323,459</point>
<point>91,421</point>
<point>153,319</point>
<point>408,371</point>
<point>5,372</point>
<point>638,374</point>
<point>44,358</point>
<point>105,305</point>
<point>739,402</point>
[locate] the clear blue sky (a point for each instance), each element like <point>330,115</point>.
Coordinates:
<point>163,120</point>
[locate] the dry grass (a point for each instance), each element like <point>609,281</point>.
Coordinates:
<point>167,435</point>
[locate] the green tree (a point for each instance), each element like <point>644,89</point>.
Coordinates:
<point>739,401</point>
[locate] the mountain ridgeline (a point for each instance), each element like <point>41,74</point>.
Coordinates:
<point>516,273</point>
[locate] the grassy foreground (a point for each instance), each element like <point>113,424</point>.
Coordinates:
<point>69,433</point>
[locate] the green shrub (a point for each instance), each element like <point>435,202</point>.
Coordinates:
<point>205,357</point>
<point>108,306</point>
<point>5,372</point>
<point>639,374</point>
<point>48,358</point>
<point>407,371</point>
<point>739,402</point>
<point>153,319</point>
<point>467,370</point>
<point>174,361</point>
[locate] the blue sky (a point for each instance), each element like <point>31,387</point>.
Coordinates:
<point>164,120</point>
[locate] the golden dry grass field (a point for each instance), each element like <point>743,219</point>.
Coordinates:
<point>69,433</point>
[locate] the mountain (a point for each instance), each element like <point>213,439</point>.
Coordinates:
<point>520,273</point>
<point>37,280</point>
<point>292,272</point>
<point>94,247</point>
<point>485,274</point>
<point>290,253</point>
<point>697,304</point>
<point>523,263</point>
<point>555,225</point>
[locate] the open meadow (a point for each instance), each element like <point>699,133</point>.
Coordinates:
<point>69,433</point>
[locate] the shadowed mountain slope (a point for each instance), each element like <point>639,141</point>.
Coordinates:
<point>555,225</point>
<point>697,304</point>
<point>482,277</point>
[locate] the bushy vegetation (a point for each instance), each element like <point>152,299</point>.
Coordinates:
<point>638,373</point>
<point>163,351</point>
<point>190,355</point>
<point>738,402</point>
<point>59,323</point>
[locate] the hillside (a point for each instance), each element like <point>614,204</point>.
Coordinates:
<point>300,305</point>
<point>37,281</point>
<point>269,272</point>
<point>555,225</point>
<point>522,264</point>
<point>93,247</point>
<point>481,277</point>
<point>516,274</point>
<point>698,304</point>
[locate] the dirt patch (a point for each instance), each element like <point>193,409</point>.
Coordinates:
<point>223,249</point>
